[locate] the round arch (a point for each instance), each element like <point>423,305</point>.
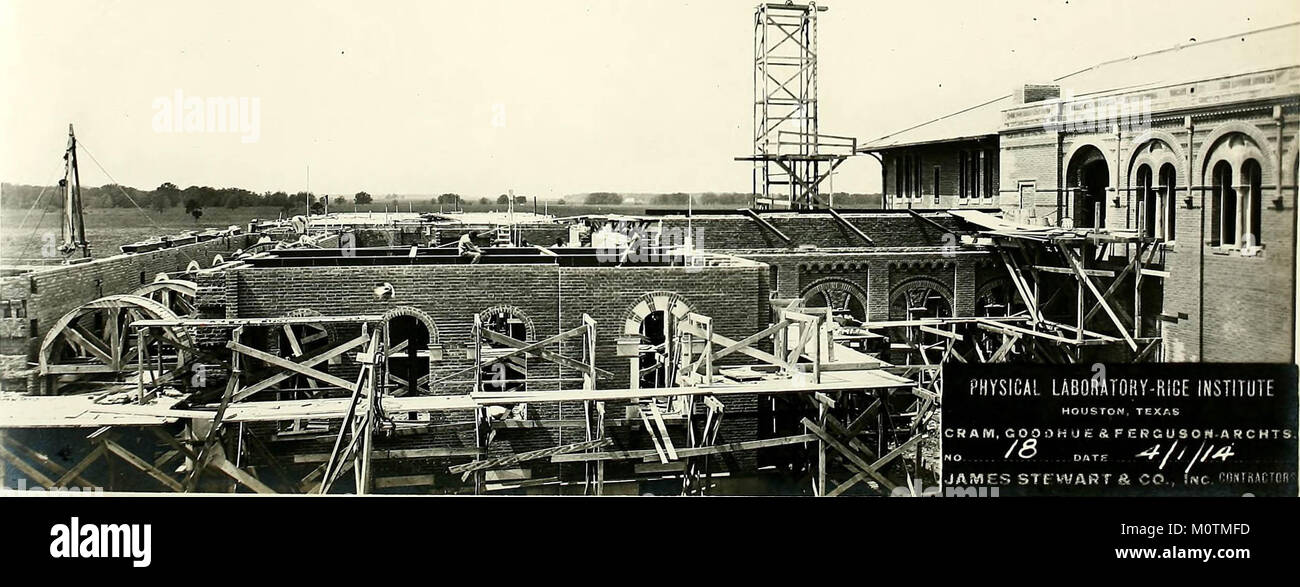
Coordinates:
<point>1081,144</point>
<point>416,313</point>
<point>1089,180</point>
<point>667,301</point>
<point>845,298</point>
<point>1156,148</point>
<point>514,312</point>
<point>921,282</point>
<point>653,318</point>
<point>70,346</point>
<point>1223,131</point>
<point>998,291</point>
<point>404,369</point>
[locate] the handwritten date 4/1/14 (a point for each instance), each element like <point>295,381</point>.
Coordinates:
<point>1177,454</point>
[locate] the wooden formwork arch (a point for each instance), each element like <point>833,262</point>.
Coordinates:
<point>176,294</point>
<point>93,340</point>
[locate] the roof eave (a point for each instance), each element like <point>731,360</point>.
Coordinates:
<point>879,148</point>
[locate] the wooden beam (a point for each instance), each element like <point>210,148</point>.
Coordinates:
<point>230,322</point>
<point>290,365</point>
<point>663,430</point>
<point>1101,299</point>
<point>766,225</point>
<point>220,463</point>
<point>1114,285</point>
<point>406,453</point>
<point>685,452</point>
<point>849,225</point>
<point>730,343</point>
<point>917,216</point>
<point>251,390</point>
<point>748,341</point>
<point>25,468</point>
<point>537,349</point>
<point>1022,286</point>
<point>1068,271</point>
<point>81,466</point>
<point>141,464</point>
<point>530,455</point>
<point>940,332</point>
<point>49,463</point>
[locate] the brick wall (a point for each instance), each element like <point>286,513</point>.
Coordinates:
<point>1228,307</point>
<point>877,275</point>
<point>51,292</point>
<point>552,298</point>
<point>947,157</point>
<point>886,229</point>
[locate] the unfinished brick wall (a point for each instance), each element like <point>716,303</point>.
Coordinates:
<point>553,299</point>
<point>877,275</point>
<point>48,293</point>
<point>886,229</point>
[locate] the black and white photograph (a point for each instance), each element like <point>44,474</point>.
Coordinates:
<point>277,252</point>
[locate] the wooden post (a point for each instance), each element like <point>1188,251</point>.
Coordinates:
<point>708,354</point>
<point>480,413</point>
<point>821,451</point>
<point>140,362</point>
<point>817,352</point>
<point>1078,332</point>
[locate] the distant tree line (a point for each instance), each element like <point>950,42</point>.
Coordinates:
<point>168,195</point>
<point>707,199</point>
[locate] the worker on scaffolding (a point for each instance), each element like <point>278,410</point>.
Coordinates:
<point>467,248</point>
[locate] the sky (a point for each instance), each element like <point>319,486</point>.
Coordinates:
<point>543,98</point>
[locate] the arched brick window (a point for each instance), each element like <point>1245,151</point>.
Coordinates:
<point>1223,205</point>
<point>1168,201</point>
<point>1146,197</point>
<point>1251,206</point>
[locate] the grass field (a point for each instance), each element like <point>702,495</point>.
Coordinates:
<point>107,229</point>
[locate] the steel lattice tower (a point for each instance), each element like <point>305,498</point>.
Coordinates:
<point>791,158</point>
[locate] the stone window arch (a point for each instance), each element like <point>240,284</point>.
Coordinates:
<point>510,374</point>
<point>846,300</point>
<point>1235,164</point>
<point>920,297</point>
<point>410,339</point>
<point>653,320</point>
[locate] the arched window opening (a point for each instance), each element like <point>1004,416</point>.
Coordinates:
<point>1168,200</point>
<point>1224,205</point>
<point>1146,197</point>
<point>408,355</point>
<point>511,372</point>
<point>1251,179</point>
<point>916,302</point>
<point>1089,180</point>
<point>655,350</point>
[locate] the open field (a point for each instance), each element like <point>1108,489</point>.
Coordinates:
<point>24,235</point>
<point>109,228</point>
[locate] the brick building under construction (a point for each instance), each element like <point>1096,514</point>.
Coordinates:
<point>790,347</point>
